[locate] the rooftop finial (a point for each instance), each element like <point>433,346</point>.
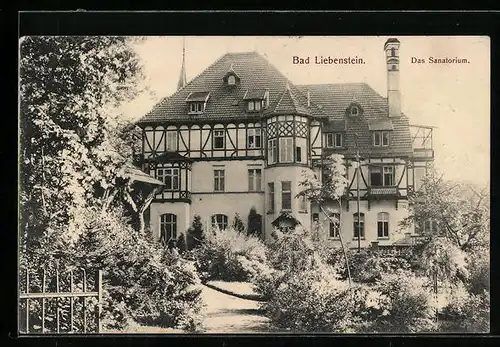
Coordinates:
<point>182,78</point>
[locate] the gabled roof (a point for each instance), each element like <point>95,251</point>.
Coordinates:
<point>380,124</point>
<point>198,96</point>
<point>255,73</point>
<point>334,99</point>
<point>255,94</point>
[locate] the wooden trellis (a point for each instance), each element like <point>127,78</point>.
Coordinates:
<point>77,295</point>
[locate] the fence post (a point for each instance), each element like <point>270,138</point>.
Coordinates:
<point>27,301</point>
<point>71,301</point>
<point>84,302</point>
<point>57,299</point>
<point>99,300</point>
<point>43,301</point>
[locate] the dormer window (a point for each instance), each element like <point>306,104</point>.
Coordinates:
<point>231,80</point>
<point>257,99</point>
<point>255,105</point>
<point>197,102</point>
<point>380,138</point>
<point>196,107</point>
<point>354,111</point>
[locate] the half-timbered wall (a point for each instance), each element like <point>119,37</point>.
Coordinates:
<point>233,140</point>
<point>178,190</point>
<point>316,139</point>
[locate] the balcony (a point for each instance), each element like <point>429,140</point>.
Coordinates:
<point>384,191</point>
<point>421,138</point>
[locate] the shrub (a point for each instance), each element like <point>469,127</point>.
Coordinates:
<point>195,233</point>
<point>479,275</point>
<point>310,301</point>
<point>230,256</point>
<point>238,223</point>
<point>142,280</point>
<point>467,313</point>
<point>398,302</point>
<point>369,266</point>
<point>254,223</point>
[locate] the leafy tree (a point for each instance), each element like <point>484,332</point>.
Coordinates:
<point>460,209</point>
<point>195,233</point>
<point>332,188</point>
<point>254,223</point>
<point>71,135</point>
<point>238,223</point>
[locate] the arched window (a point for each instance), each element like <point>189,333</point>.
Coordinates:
<point>383,225</point>
<point>231,80</point>
<point>359,225</point>
<point>168,228</point>
<point>219,221</point>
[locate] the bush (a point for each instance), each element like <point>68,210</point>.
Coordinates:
<point>195,233</point>
<point>397,303</point>
<point>309,301</point>
<point>469,313</point>
<point>254,223</point>
<point>369,266</point>
<point>479,275</point>
<point>141,279</point>
<point>230,256</point>
<point>238,223</point>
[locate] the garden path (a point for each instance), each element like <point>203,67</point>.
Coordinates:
<point>228,314</point>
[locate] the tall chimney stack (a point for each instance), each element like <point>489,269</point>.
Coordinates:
<point>391,49</point>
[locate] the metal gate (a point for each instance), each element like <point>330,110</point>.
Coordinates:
<point>61,304</point>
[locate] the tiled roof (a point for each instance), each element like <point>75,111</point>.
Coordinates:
<point>288,103</point>
<point>255,72</point>
<point>334,99</point>
<point>334,125</point>
<point>380,124</point>
<point>255,94</point>
<point>198,96</point>
<point>135,174</point>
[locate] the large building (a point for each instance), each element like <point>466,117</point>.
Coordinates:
<point>239,135</point>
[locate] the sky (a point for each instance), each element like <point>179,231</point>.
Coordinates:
<point>454,98</point>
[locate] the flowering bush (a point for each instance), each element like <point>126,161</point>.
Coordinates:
<point>309,301</point>
<point>230,256</point>
<point>398,302</point>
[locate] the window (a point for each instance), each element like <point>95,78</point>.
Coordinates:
<point>382,175</point>
<point>383,225</point>
<point>255,105</point>
<point>271,196</point>
<point>286,195</point>
<point>298,154</point>
<point>195,107</point>
<point>359,225</point>
<point>168,228</point>
<point>254,179</point>
<point>388,175</point>
<point>393,52</point>
<point>272,151</point>
<point>219,180</point>
<point>354,111</point>
<point>335,226</point>
<point>286,150</point>
<point>431,227</point>
<point>380,138</point>
<point>170,177</point>
<point>172,140</point>
<point>254,138</point>
<point>219,221</point>
<point>302,204</point>
<point>218,139</point>
<point>315,217</point>
<point>231,80</point>
<point>334,140</point>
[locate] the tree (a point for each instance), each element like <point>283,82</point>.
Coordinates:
<point>238,223</point>
<point>72,148</point>
<point>254,223</point>
<point>195,233</point>
<point>332,188</point>
<point>460,209</point>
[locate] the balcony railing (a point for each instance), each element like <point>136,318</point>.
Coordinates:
<point>383,191</point>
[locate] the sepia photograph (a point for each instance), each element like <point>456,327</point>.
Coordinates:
<point>254,185</point>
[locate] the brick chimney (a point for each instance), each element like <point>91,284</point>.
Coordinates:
<point>391,49</point>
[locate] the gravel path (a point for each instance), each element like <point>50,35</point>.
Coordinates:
<point>228,314</point>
